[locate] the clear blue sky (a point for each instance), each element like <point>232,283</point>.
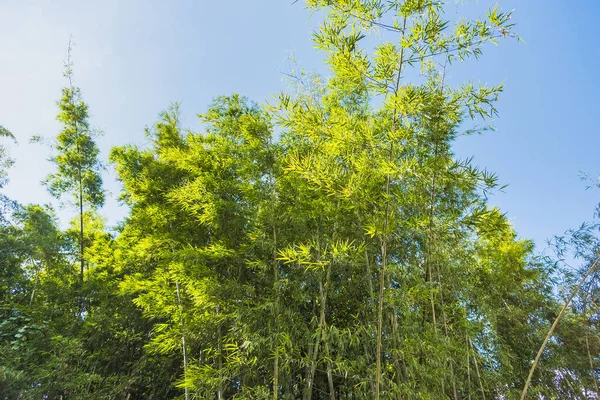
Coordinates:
<point>132,58</point>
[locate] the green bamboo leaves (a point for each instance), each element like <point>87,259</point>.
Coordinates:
<point>76,158</point>
<point>328,245</point>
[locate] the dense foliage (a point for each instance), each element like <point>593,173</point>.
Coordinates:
<point>328,245</point>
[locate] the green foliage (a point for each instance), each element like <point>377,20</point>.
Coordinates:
<point>78,168</point>
<point>350,254</point>
<point>5,161</point>
<point>6,133</point>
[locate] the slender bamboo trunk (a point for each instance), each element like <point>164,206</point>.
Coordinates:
<point>276,283</point>
<point>468,373</point>
<point>384,245</point>
<point>396,341</point>
<point>367,265</point>
<point>313,367</point>
<point>567,379</point>
<point>454,391</point>
<point>554,324</point>
<point>81,244</point>
<point>81,235</point>
<point>35,284</point>
<point>79,167</point>
<point>592,369</point>
<point>309,373</point>
<point>183,346</point>
<point>329,373</point>
<point>450,361</point>
<point>321,336</point>
<point>324,324</point>
<point>430,236</point>
<point>220,348</point>
<point>276,350</point>
<point>371,298</point>
<point>380,317</point>
<point>310,370</point>
<point>477,371</point>
<point>439,276</point>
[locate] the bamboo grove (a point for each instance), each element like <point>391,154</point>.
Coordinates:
<point>326,245</point>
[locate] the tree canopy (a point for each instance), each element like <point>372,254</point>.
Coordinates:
<point>328,244</point>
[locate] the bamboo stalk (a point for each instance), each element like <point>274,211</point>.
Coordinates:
<point>592,369</point>
<point>276,283</point>
<point>468,373</point>
<point>321,335</point>
<point>220,347</point>
<point>384,244</point>
<point>477,371</point>
<point>554,324</point>
<point>183,346</point>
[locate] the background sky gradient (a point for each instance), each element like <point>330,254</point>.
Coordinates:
<point>133,58</point>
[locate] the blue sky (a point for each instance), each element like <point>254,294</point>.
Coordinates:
<point>132,58</point>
